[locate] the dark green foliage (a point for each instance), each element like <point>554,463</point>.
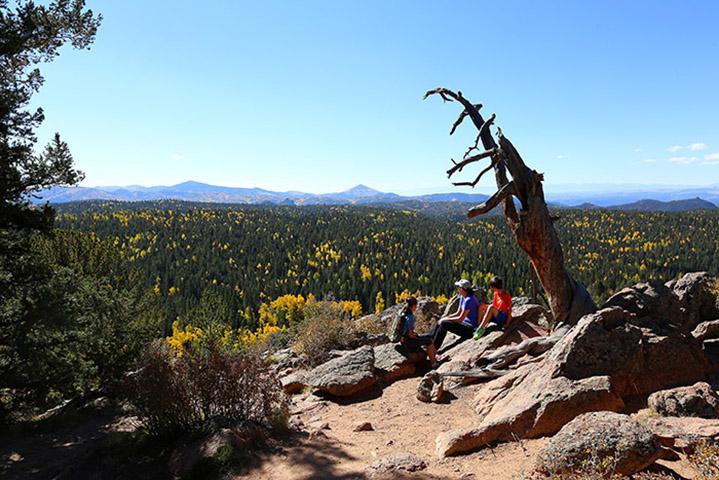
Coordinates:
<point>78,330</point>
<point>31,34</point>
<point>47,311</point>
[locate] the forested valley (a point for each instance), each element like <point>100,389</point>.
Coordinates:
<point>239,257</point>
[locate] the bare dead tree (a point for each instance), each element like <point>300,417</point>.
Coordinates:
<point>533,226</point>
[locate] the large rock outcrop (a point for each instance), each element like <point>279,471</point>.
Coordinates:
<point>353,372</point>
<point>468,354</point>
<point>684,303</point>
<point>698,295</point>
<point>394,361</point>
<point>344,376</point>
<point>606,358</point>
<point>617,441</point>
<point>708,330</point>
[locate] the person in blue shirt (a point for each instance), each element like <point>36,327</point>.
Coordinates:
<point>463,322</point>
<point>409,337</point>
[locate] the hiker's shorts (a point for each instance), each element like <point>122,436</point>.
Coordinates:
<point>501,318</point>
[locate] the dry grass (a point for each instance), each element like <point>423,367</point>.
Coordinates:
<point>325,328</point>
<point>595,464</point>
<point>705,460</point>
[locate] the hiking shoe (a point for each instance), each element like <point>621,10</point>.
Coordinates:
<point>435,366</point>
<point>478,333</point>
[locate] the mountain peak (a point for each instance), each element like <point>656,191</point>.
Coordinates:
<point>192,183</point>
<point>362,190</point>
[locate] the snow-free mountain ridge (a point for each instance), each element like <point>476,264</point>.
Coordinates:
<point>646,200</point>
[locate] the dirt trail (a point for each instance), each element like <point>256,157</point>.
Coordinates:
<point>401,423</point>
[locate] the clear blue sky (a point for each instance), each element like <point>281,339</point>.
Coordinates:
<point>322,95</point>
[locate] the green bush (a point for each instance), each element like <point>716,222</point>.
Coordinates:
<point>72,332</point>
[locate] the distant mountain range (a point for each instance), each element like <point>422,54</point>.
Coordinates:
<point>614,195</point>
<point>202,192</point>
<point>648,205</point>
<point>659,200</point>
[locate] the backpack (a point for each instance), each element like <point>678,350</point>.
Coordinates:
<point>396,328</point>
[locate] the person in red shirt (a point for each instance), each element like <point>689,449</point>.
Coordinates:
<point>500,312</point>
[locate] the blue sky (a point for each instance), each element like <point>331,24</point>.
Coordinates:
<point>322,95</point>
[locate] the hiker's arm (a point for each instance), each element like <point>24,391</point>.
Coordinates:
<point>459,317</point>
<point>456,316</point>
<point>487,313</point>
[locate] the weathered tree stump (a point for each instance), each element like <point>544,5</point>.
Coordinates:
<point>533,226</point>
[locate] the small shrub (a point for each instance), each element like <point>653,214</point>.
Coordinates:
<point>325,328</point>
<point>370,325</point>
<point>705,460</point>
<point>593,464</point>
<point>174,394</point>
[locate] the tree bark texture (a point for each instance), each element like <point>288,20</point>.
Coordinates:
<point>532,225</point>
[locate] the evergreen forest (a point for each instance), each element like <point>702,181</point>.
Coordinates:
<point>243,256</point>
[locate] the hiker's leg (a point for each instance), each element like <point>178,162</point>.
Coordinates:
<point>488,316</point>
<point>461,329</point>
<point>432,354</point>
<point>429,337</point>
<point>440,331</point>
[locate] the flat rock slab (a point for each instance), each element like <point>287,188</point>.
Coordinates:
<point>395,463</point>
<point>684,432</point>
<point>345,376</point>
<point>463,356</point>
<point>601,437</point>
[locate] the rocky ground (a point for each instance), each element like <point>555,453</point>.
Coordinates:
<point>632,388</point>
<point>634,383</point>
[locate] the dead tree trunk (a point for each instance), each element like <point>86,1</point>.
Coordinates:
<point>533,226</point>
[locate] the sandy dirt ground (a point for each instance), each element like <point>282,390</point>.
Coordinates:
<point>401,423</point>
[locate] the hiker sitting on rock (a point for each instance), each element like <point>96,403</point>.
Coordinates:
<point>463,322</point>
<point>409,337</point>
<point>500,312</point>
